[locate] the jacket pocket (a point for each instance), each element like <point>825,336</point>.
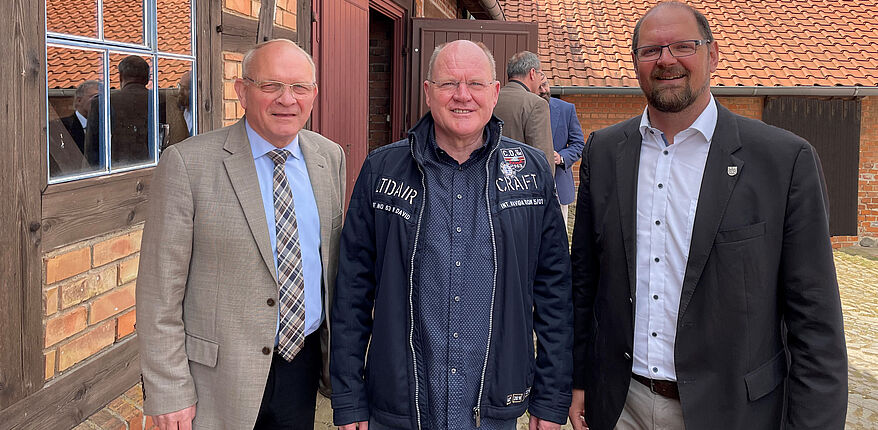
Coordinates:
<point>741,233</point>
<point>201,351</point>
<point>766,377</point>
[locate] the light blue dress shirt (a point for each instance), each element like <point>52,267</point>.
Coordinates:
<point>307,218</point>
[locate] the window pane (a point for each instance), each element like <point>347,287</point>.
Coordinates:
<point>73,78</point>
<point>176,121</point>
<point>174,26</point>
<point>131,116</point>
<point>123,21</point>
<point>76,17</point>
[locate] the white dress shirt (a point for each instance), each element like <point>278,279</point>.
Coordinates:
<point>668,183</point>
<point>82,120</point>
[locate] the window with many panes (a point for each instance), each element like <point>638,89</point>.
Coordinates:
<point>119,83</point>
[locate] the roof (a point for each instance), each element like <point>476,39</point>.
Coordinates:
<point>69,66</point>
<point>774,43</point>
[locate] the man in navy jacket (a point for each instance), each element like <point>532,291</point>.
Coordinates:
<point>453,254</point>
<point>568,141</point>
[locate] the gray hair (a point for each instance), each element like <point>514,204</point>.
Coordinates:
<point>521,63</point>
<point>439,49</point>
<point>248,57</point>
<point>85,86</point>
<point>703,25</point>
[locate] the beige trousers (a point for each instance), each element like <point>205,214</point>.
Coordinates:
<point>645,410</point>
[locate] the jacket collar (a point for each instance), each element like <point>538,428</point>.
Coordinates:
<point>419,135</point>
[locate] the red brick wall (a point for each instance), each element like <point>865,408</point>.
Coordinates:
<point>599,111</point>
<point>284,13</point>
<point>380,45</point>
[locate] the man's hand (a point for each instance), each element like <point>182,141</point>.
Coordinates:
<point>558,159</point>
<point>577,410</point>
<point>536,423</point>
<point>362,425</point>
<point>181,419</point>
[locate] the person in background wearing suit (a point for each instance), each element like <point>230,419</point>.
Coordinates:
<point>568,139</point>
<point>76,123</point>
<point>238,260</point>
<point>525,115</point>
<point>704,285</point>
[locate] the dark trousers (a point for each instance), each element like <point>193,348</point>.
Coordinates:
<point>291,390</point>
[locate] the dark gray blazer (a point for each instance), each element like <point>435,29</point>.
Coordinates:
<point>760,322</point>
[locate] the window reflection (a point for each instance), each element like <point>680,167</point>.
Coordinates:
<point>123,21</point>
<point>130,114</point>
<point>176,121</point>
<point>174,18</point>
<point>73,77</point>
<point>76,17</point>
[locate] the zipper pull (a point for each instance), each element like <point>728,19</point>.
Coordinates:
<point>478,416</point>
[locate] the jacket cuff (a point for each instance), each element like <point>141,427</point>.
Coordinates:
<point>548,413</point>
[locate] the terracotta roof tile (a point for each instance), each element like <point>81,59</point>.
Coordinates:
<point>764,43</point>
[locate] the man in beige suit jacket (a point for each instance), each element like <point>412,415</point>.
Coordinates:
<point>207,293</point>
<point>525,115</point>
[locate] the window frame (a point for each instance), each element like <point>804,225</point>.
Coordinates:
<point>107,48</point>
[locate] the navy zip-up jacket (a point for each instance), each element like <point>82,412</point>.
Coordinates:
<point>378,271</point>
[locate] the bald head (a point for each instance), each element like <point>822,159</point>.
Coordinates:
<point>464,48</point>
<point>703,25</point>
<point>273,47</point>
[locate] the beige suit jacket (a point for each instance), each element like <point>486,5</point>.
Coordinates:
<point>526,119</point>
<point>207,273</point>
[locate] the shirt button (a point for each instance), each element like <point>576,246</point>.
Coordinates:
<point>459,229</point>
<point>457,263</point>
<point>266,350</point>
<point>657,260</point>
<point>455,335</point>
<point>657,222</point>
<point>270,302</point>
<point>665,152</point>
<point>655,296</point>
<point>655,370</point>
<point>654,334</point>
<point>456,298</point>
<point>661,186</point>
<point>453,371</point>
<point>459,197</point>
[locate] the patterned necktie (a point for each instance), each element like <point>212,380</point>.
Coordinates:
<point>291,284</point>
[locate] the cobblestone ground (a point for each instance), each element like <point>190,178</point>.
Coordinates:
<point>858,284</point>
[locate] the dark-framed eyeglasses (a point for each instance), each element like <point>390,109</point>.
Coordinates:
<point>277,88</point>
<point>451,86</point>
<point>683,48</point>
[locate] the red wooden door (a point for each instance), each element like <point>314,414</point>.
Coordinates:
<point>341,52</point>
<point>503,38</point>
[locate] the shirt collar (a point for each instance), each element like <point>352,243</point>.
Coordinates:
<point>260,146</point>
<point>704,124</point>
<point>82,120</point>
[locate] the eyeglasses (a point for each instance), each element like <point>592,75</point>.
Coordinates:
<point>277,88</point>
<point>451,86</point>
<point>683,48</point>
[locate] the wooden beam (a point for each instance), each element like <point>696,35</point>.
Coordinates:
<point>303,24</point>
<point>22,83</point>
<point>67,401</point>
<point>79,210</point>
<point>209,16</point>
<point>239,33</point>
<point>266,20</point>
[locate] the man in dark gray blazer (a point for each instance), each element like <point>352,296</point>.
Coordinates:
<point>704,286</point>
<point>525,115</point>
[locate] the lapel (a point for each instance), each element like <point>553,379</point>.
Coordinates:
<point>716,189</point>
<point>242,174</point>
<point>627,163</point>
<point>321,184</point>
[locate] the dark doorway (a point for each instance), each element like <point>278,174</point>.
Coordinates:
<point>380,79</point>
<point>832,126</point>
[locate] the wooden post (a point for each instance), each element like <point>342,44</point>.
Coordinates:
<point>266,20</point>
<point>22,83</point>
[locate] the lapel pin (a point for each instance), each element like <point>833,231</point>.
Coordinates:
<point>733,170</point>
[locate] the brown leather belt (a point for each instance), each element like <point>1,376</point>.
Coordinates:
<point>663,388</point>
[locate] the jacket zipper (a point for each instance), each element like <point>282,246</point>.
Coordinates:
<point>477,411</point>
<point>412,284</point>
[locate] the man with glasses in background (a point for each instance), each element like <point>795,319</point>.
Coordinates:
<point>453,254</point>
<point>524,113</point>
<point>239,258</point>
<point>703,279</point>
